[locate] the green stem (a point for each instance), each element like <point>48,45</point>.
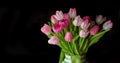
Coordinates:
<point>62,55</point>
<point>69,46</point>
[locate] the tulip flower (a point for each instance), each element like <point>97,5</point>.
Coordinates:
<point>86,18</point>
<point>107,25</point>
<point>53,40</point>
<point>66,16</point>
<point>53,19</point>
<point>83,33</point>
<point>46,29</point>
<point>94,30</point>
<point>63,23</point>
<point>68,37</point>
<point>57,28</point>
<point>100,19</point>
<point>72,12</point>
<point>77,21</point>
<point>59,15</point>
<point>85,25</point>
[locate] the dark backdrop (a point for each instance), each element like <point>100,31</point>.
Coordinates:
<point>22,41</point>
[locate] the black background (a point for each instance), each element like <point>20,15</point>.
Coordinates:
<point>22,41</point>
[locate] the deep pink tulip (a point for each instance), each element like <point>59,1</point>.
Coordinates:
<point>86,18</point>
<point>57,28</point>
<point>63,23</point>
<point>68,37</point>
<point>46,29</point>
<point>94,30</point>
<point>53,40</point>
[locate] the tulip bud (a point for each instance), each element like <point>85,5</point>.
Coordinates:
<point>63,23</point>
<point>57,28</point>
<point>59,15</point>
<point>72,12</point>
<point>100,19</point>
<point>86,18</point>
<point>83,33</point>
<point>68,37</point>
<point>53,19</point>
<point>85,25</point>
<point>46,29</point>
<point>77,21</point>
<point>66,16</point>
<point>107,25</point>
<point>53,40</point>
<point>94,30</point>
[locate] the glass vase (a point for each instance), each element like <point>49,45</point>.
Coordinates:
<point>74,59</point>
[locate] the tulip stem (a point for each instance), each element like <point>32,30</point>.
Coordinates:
<point>70,48</point>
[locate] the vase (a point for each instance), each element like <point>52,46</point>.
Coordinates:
<point>74,59</point>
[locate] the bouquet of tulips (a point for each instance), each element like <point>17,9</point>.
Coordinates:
<point>75,34</point>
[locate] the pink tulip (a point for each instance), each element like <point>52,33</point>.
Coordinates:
<point>53,40</point>
<point>77,21</point>
<point>53,19</point>
<point>85,25</point>
<point>66,16</point>
<point>46,29</point>
<point>100,19</point>
<point>72,12</point>
<point>63,23</point>
<point>59,15</point>
<point>86,18</point>
<point>83,33</point>
<point>94,30</point>
<point>57,28</point>
<point>68,37</point>
<point>107,25</point>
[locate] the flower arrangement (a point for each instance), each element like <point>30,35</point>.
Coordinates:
<point>74,34</point>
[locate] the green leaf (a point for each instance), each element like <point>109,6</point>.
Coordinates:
<point>62,55</point>
<point>82,43</point>
<point>96,38</point>
<point>64,49</point>
<point>74,45</point>
<point>85,45</point>
<point>61,58</point>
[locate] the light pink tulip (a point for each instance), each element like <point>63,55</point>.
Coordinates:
<point>100,19</point>
<point>77,21</point>
<point>57,28</point>
<point>94,30</point>
<point>68,37</point>
<point>72,12</point>
<point>107,25</point>
<point>85,25</point>
<point>53,19</point>
<point>63,23</point>
<point>46,29</point>
<point>59,15</point>
<point>53,40</point>
<point>83,33</point>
